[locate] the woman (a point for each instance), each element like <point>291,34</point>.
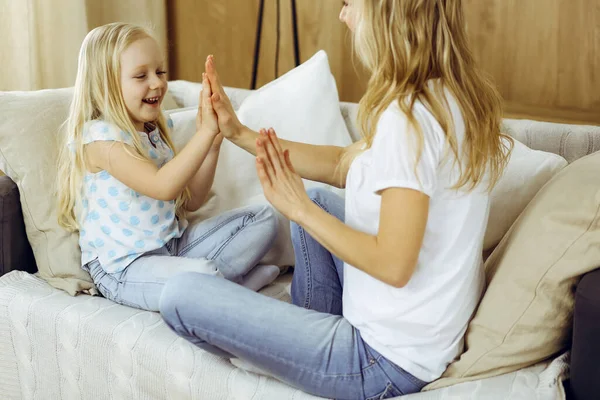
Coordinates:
<point>384,286</point>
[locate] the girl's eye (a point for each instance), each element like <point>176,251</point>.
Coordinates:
<point>161,72</point>
<point>140,76</point>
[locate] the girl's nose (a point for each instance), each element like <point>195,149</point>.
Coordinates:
<point>156,82</point>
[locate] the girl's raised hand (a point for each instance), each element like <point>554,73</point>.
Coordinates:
<point>206,119</point>
<point>282,186</point>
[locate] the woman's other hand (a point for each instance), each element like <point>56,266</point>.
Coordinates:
<point>229,124</point>
<point>282,186</point>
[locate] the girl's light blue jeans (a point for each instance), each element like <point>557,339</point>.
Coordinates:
<point>228,245</point>
<point>308,344</point>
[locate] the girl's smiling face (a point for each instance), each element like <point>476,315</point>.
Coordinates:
<point>143,81</point>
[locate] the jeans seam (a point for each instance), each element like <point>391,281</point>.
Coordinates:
<point>193,244</point>
<point>308,296</point>
<point>308,293</point>
<point>94,275</point>
<point>416,381</point>
<point>169,246</point>
<point>179,328</point>
<point>120,282</point>
<point>385,392</point>
<point>141,282</point>
<point>226,243</point>
<point>321,206</point>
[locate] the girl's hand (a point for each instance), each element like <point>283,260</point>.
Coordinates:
<point>206,119</point>
<point>229,124</point>
<point>282,186</point>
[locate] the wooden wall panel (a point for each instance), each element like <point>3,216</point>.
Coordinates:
<point>320,28</point>
<point>544,55</point>
<point>147,13</point>
<point>225,28</point>
<point>268,69</point>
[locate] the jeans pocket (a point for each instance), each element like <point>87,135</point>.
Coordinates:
<point>171,246</point>
<point>107,294</point>
<point>418,384</point>
<point>399,378</point>
<point>388,392</point>
<point>115,295</point>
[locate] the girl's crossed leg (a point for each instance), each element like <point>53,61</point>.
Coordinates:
<point>228,245</point>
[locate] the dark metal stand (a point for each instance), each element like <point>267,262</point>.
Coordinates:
<point>261,10</point>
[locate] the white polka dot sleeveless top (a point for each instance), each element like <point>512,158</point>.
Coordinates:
<point>117,224</point>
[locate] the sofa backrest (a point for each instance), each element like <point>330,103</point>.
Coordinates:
<point>569,141</point>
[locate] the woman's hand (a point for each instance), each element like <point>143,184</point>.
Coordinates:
<point>282,186</point>
<point>229,124</point>
<point>206,119</point>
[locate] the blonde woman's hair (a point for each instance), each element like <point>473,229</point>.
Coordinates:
<point>97,95</point>
<point>405,44</point>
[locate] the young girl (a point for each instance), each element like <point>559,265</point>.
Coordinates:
<point>385,284</point>
<point>122,186</point>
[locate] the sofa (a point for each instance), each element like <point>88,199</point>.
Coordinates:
<point>57,346</point>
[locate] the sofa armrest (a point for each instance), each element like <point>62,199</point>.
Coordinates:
<point>15,251</point>
<point>585,350</point>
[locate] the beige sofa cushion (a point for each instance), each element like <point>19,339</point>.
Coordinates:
<point>29,124</point>
<point>525,314</point>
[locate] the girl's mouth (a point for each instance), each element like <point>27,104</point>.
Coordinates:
<point>151,100</point>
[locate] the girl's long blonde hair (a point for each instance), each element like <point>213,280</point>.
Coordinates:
<point>97,95</point>
<point>406,43</point>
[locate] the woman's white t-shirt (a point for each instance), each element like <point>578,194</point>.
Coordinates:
<point>418,327</point>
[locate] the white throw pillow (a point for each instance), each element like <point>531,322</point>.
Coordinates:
<point>527,171</point>
<point>302,106</point>
<point>186,94</point>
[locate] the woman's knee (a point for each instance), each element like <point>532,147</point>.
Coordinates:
<point>327,201</point>
<point>319,194</point>
<point>297,234</point>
